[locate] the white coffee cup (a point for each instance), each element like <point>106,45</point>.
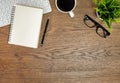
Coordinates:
<point>66,6</point>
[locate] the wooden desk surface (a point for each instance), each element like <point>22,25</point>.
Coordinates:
<point>72,52</point>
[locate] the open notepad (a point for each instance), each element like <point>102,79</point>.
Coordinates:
<point>25,26</point>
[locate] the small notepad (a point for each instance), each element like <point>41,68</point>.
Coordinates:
<point>25,26</point>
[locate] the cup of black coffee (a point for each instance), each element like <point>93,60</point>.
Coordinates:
<point>66,6</point>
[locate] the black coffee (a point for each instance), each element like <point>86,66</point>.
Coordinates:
<point>65,5</point>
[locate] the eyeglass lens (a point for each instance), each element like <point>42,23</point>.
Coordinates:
<point>88,22</point>
<point>101,32</point>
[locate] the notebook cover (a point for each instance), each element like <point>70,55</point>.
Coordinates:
<point>25,26</point>
<point>6,8</point>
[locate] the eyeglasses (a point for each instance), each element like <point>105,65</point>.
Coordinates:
<point>100,30</point>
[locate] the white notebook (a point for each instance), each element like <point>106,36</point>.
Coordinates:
<point>6,8</point>
<point>25,26</point>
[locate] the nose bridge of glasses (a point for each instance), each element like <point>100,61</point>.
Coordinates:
<point>98,26</point>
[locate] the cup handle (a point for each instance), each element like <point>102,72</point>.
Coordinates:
<point>71,14</point>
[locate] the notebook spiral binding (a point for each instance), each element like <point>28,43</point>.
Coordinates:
<point>11,22</point>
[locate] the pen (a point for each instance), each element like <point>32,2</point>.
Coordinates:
<point>43,37</point>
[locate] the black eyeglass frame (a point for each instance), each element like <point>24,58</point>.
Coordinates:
<point>97,25</point>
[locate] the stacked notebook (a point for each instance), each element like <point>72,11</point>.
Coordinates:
<point>6,8</point>
<point>25,26</point>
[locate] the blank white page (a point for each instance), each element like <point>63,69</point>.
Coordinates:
<point>25,29</point>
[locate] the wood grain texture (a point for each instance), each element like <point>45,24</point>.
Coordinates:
<point>72,52</point>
